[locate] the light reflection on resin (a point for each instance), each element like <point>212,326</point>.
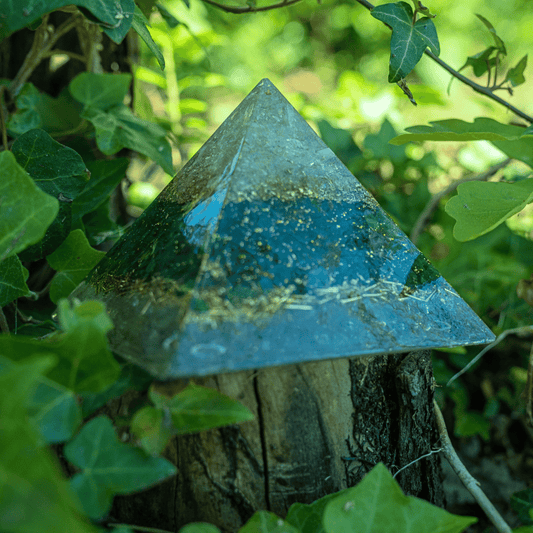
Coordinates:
<point>265,250</point>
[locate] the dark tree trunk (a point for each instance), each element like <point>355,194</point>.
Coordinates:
<point>318,428</point>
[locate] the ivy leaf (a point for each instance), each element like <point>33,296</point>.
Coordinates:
<point>307,518</point>
<point>57,169</point>
<point>150,426</point>
<point>140,25</point>
<point>26,116</point>
<point>379,503</point>
<point>53,409</point>
<point>85,363</point>
<point>480,206</point>
<point>101,91</point>
<point>514,141</point>
<point>110,467</point>
<point>267,522</point>
<point>35,497</point>
<point>35,109</point>
<point>26,211</point>
<point>114,16</point>
<point>189,411</point>
<point>13,278</point>
<point>199,408</point>
<point>409,41</point>
<point>480,62</point>
<point>515,75</point>
<point>500,45</point>
<point>118,128</point>
<point>105,176</point>
<point>73,260</point>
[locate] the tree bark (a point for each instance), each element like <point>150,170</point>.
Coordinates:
<point>318,428</point>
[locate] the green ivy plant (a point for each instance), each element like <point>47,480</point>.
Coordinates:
<point>57,370</point>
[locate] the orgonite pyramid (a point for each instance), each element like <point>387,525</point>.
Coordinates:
<point>265,250</point>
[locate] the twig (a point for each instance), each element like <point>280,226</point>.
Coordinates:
<point>4,328</point>
<point>426,214</point>
<point>522,331</point>
<point>3,124</point>
<point>470,483</point>
<point>438,450</point>
<point>43,41</point>
<point>250,9</point>
<point>478,88</point>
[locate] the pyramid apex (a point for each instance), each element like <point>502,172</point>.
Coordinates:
<point>265,250</point>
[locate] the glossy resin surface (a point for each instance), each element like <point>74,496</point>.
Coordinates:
<point>265,250</point>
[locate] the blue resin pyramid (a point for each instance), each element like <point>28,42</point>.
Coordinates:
<point>265,250</point>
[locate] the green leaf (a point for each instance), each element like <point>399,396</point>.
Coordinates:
<point>379,145</point>
<point>85,363</point>
<point>199,527</point>
<point>115,16</point>
<point>267,522</point>
<point>39,110</point>
<point>26,117</point>
<point>110,467</point>
<point>514,141</point>
<point>168,17</point>
<point>377,505</point>
<point>35,497</point>
<point>101,91</point>
<point>515,75</point>
<point>307,518</point>
<point>131,378</point>
<point>13,278</point>
<point>151,429</point>
<point>480,206</point>
<point>140,25</point>
<point>522,505</point>
<point>57,169</point>
<point>409,41</point>
<point>26,211</point>
<point>497,40</point>
<point>73,260</point>
<point>199,408</point>
<point>105,176</point>
<point>56,233</point>
<point>53,409</point>
<point>480,62</point>
<point>118,128</point>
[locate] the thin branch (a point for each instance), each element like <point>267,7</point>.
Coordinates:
<point>3,124</point>
<point>4,328</point>
<point>478,88</point>
<point>521,332</point>
<point>426,214</point>
<point>470,483</point>
<point>250,9</point>
<point>44,40</point>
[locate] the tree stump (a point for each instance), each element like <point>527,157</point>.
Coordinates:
<point>319,428</point>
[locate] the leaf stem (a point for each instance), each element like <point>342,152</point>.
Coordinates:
<point>3,124</point>
<point>4,328</point>
<point>44,40</point>
<point>426,214</point>
<point>470,483</point>
<point>478,88</point>
<point>250,9</point>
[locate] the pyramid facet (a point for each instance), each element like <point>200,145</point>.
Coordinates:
<point>265,250</point>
